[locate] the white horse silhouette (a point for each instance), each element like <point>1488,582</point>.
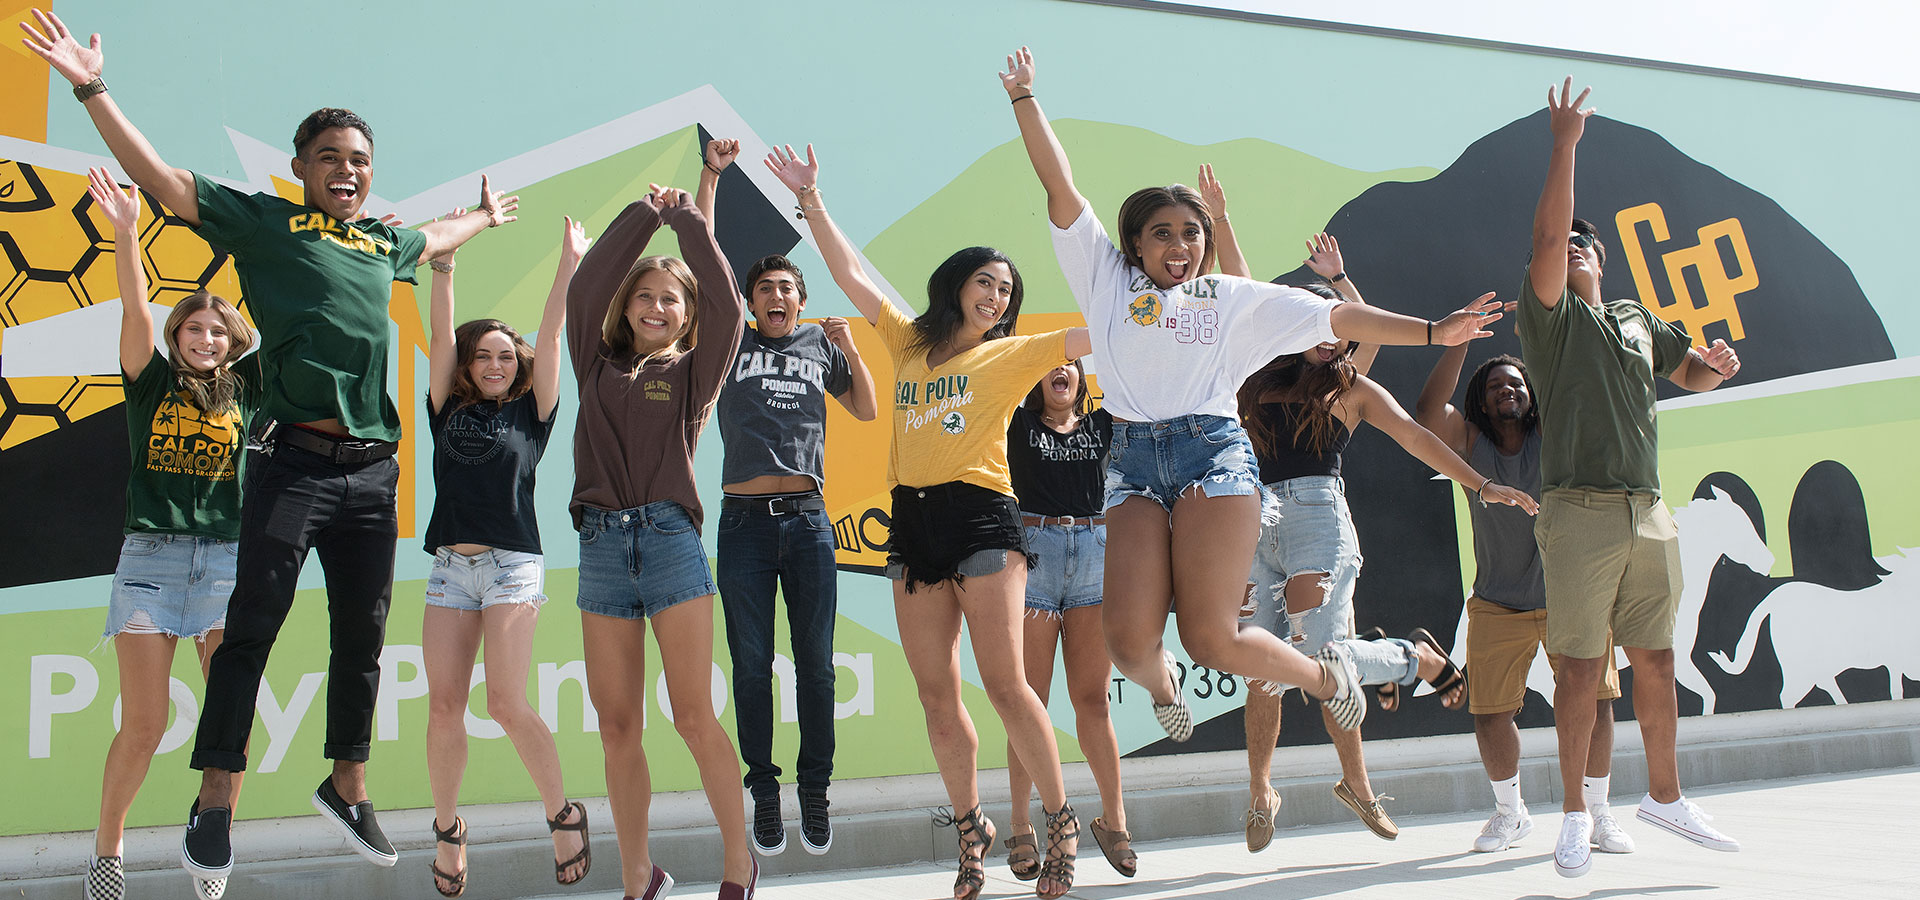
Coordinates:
<point>1710,527</point>
<point>1819,632</point>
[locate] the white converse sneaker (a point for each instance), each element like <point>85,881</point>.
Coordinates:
<point>1573,856</point>
<point>1503,830</point>
<point>1608,836</point>
<point>1685,819</point>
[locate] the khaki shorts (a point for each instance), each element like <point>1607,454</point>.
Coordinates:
<point>1612,560</point>
<point>1500,647</point>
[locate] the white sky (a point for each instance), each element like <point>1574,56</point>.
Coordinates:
<point>1858,42</point>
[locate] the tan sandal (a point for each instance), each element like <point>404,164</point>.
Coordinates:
<point>1023,855</point>
<point>1117,846</point>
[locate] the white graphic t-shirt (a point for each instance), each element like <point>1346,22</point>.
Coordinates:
<point>1183,351</point>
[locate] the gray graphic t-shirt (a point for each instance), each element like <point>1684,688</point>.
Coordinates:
<point>773,407</point>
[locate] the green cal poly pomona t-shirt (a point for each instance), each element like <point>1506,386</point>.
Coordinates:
<point>1593,374</point>
<point>318,289</point>
<point>185,477</point>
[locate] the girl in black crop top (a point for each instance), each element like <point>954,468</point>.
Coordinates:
<point>490,404</point>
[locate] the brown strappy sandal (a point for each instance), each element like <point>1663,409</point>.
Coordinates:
<point>457,836</point>
<point>976,833</point>
<point>1062,826</point>
<point>584,859</point>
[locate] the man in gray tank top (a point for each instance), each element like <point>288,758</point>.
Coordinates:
<point>1496,429</point>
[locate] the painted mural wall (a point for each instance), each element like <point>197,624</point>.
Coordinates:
<point>1767,215</point>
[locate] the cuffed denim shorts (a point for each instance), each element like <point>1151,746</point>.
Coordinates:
<point>1162,460</point>
<point>490,578</point>
<point>1069,566</point>
<point>172,584</point>
<point>639,562</point>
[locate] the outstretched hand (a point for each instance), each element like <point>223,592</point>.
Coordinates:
<point>120,206</point>
<point>56,45</point>
<point>721,152</point>
<point>573,241</point>
<point>496,208</point>
<point>1018,78</point>
<point>1213,192</point>
<point>1468,322</point>
<point>1721,359</point>
<point>1506,496</point>
<point>1323,256</point>
<point>1565,118</point>
<point>799,177</point>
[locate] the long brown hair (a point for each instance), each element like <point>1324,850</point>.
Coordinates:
<point>466,344</point>
<point>1315,387</point>
<point>1036,401</point>
<point>618,332</point>
<point>217,390</point>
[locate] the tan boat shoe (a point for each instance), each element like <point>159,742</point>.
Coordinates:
<point>1260,824</point>
<point>1371,813</point>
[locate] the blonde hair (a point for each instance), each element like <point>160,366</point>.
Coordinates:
<point>217,390</point>
<point>618,332</point>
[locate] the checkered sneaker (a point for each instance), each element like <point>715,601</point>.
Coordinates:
<point>209,888</point>
<point>105,879</point>
<point>1347,704</point>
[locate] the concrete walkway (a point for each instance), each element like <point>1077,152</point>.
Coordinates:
<point>1833,837</point>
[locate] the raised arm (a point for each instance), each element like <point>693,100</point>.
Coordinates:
<point>1378,408</point>
<point>1553,217</point>
<point>122,208</point>
<point>446,235</point>
<point>1323,257</point>
<point>599,275</point>
<point>81,66</point>
<point>719,155</point>
<point>803,179</point>
<point>723,311</point>
<point>1435,410</point>
<point>551,343</point>
<point>1372,325</point>
<point>1226,246</point>
<point>859,398</point>
<point>1064,202</point>
<point>443,356</point>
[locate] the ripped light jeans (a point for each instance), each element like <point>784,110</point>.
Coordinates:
<point>1314,533</point>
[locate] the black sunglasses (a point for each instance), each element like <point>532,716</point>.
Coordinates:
<point>1582,240</point>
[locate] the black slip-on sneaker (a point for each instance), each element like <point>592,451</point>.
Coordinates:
<point>206,851</point>
<point>356,824</point>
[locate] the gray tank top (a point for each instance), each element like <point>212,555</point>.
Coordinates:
<point>1506,558</point>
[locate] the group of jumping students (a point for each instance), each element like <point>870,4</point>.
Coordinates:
<point>1008,491</point>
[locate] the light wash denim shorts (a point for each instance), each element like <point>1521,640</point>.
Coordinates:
<point>489,578</point>
<point>1069,567</point>
<point>1162,460</point>
<point>171,584</point>
<point>639,562</point>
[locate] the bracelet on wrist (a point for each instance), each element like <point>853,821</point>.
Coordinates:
<point>710,167</point>
<point>800,212</point>
<point>1429,332</point>
<point>91,89</point>
<point>1723,375</point>
<point>1337,278</point>
<point>1026,96</point>
<point>445,267</point>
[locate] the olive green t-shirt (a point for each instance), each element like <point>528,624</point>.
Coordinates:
<point>1593,374</point>
<point>185,477</point>
<point>318,289</point>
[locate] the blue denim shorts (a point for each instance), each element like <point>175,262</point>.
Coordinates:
<point>639,562</point>
<point>1162,460</point>
<point>490,578</point>
<point>1314,533</point>
<point>1069,565</point>
<point>171,584</point>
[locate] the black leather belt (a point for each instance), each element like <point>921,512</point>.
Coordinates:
<point>776,505</point>
<point>344,451</point>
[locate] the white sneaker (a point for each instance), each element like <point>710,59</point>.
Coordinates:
<point>1573,855</point>
<point>1608,836</point>
<point>1686,820</point>
<point>1503,830</point>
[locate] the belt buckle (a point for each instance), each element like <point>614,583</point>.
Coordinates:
<point>773,506</point>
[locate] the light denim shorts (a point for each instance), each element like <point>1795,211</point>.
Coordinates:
<point>171,584</point>
<point>1162,460</point>
<point>1069,566</point>
<point>639,562</point>
<point>489,578</point>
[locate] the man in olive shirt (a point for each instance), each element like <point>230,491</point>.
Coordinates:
<point>1607,543</point>
<point>317,278</point>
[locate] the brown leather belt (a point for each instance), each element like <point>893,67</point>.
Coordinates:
<point>1065,521</point>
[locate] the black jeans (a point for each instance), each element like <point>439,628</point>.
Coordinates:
<point>295,501</point>
<point>755,549</point>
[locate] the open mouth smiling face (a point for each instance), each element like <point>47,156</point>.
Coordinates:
<point>337,171</point>
<point>203,340</point>
<point>776,303</point>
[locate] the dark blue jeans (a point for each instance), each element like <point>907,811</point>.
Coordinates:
<point>756,549</point>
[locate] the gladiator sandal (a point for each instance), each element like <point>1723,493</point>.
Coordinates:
<point>976,834</point>
<point>1062,826</point>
